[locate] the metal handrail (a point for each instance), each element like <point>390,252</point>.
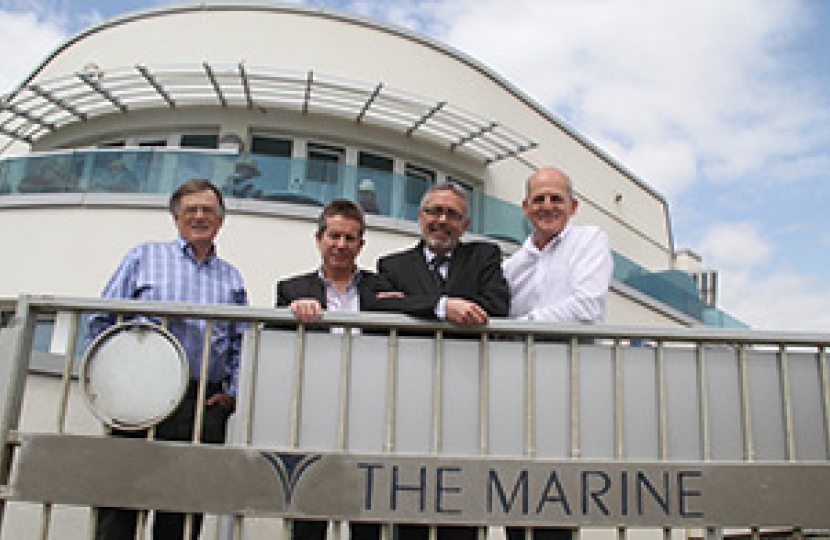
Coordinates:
<point>53,304</point>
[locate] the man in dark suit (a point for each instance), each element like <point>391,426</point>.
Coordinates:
<point>444,278</point>
<point>441,277</point>
<point>338,285</point>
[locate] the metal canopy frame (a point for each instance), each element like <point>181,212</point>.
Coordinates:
<point>35,110</point>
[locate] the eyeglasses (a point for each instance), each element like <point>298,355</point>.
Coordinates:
<point>207,210</point>
<point>438,211</point>
<point>554,199</point>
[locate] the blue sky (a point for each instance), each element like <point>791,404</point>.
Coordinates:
<point>724,107</point>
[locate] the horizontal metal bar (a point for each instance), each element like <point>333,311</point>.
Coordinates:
<point>52,304</point>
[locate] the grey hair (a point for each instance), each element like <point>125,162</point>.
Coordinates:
<point>456,188</point>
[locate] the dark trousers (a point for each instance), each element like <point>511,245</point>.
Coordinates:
<point>540,533</point>
<point>313,529</point>
<point>445,532</point>
<point>120,523</point>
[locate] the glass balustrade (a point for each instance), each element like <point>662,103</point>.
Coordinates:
<point>311,182</point>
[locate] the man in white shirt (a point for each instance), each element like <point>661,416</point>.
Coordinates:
<point>562,271</point>
<point>560,274</point>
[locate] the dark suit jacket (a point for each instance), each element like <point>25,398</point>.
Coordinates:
<point>311,286</point>
<point>474,274</point>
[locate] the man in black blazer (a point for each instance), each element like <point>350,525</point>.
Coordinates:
<point>338,285</point>
<point>443,278</point>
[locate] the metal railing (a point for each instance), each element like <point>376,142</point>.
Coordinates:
<point>519,424</point>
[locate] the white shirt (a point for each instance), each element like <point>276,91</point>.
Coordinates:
<point>444,269</point>
<point>566,281</point>
<point>348,300</point>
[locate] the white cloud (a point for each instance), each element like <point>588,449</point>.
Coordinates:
<point>705,81</point>
<point>735,246</point>
<point>782,301</point>
<point>24,41</point>
<point>766,300</point>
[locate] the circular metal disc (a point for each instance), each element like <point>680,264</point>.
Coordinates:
<point>134,375</point>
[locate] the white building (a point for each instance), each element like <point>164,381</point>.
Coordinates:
<point>301,105</point>
<point>320,101</point>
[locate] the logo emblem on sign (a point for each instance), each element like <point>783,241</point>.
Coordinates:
<point>290,468</point>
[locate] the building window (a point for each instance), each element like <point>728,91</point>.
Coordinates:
<point>324,163</point>
<point>265,172</point>
<point>151,143</point>
<point>418,181</point>
<point>196,165</point>
<point>268,146</point>
<point>374,183</point>
<point>323,167</point>
<point>207,141</point>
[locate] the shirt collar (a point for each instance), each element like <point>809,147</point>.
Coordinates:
<point>550,246</point>
<point>429,254</point>
<point>356,277</point>
<point>187,249</point>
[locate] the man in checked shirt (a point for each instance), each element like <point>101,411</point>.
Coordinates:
<point>185,270</point>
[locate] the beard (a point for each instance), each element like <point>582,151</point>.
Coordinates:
<point>443,242</point>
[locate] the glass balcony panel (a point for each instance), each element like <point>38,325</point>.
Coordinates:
<point>116,172</point>
<point>669,287</point>
<point>194,165</point>
<point>374,191</point>
<point>413,192</point>
<point>719,319</point>
<point>48,173</point>
<point>258,177</point>
<point>499,219</point>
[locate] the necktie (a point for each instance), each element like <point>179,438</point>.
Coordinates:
<point>435,265</point>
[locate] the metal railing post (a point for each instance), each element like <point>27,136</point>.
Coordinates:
<point>15,349</point>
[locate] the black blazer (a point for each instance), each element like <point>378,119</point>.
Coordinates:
<point>311,286</point>
<point>474,274</point>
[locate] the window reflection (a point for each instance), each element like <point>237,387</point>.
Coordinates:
<point>374,183</point>
<point>49,174</point>
<point>272,157</point>
<point>418,181</point>
<point>243,182</point>
<point>322,172</point>
<point>111,173</point>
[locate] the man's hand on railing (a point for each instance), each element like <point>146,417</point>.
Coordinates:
<point>306,309</point>
<point>465,313</point>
